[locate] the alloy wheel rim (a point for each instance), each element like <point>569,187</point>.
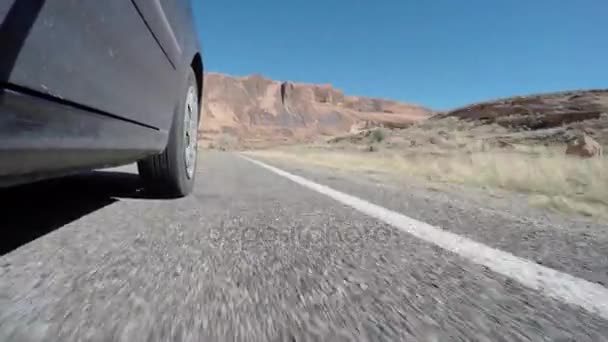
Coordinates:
<point>190,132</point>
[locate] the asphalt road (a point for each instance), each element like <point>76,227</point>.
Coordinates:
<point>253,256</point>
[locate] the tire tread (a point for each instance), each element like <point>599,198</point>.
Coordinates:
<point>161,172</point>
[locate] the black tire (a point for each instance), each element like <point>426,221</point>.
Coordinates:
<point>166,174</point>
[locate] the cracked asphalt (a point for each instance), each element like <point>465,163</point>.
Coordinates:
<point>251,256</point>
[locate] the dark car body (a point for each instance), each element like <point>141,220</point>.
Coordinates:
<point>89,84</point>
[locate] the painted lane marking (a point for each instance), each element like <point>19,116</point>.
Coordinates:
<point>555,284</point>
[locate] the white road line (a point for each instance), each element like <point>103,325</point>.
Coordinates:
<point>558,285</point>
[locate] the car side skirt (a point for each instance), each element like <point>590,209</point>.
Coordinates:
<point>43,137</point>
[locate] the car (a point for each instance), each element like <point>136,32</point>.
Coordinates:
<point>95,84</point>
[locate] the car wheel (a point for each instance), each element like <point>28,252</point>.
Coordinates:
<point>172,173</point>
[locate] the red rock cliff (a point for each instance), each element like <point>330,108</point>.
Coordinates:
<point>255,108</point>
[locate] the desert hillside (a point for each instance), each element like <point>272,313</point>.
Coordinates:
<point>541,145</point>
<point>255,109</point>
<point>543,116</point>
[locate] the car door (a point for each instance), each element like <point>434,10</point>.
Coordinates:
<point>97,54</point>
<point>155,15</point>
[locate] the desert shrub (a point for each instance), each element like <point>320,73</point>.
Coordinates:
<point>378,135</point>
<point>227,142</point>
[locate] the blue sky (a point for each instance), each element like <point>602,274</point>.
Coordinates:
<point>441,53</point>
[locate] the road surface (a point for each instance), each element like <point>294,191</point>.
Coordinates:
<point>255,256</point>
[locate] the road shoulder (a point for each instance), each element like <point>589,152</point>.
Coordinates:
<point>500,219</point>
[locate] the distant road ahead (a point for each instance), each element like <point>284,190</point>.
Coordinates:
<point>255,256</point>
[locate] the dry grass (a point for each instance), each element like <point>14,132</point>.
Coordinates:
<point>484,156</point>
<point>552,179</point>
